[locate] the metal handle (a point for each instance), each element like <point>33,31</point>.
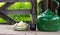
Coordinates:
<point>43,5</point>
<point>57,6</point>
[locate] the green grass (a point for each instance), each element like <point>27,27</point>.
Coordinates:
<point>2,20</point>
<point>19,17</point>
<point>2,3</point>
<point>18,6</point>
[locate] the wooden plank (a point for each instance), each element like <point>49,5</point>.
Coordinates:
<point>52,5</point>
<point>17,12</point>
<point>34,11</point>
<point>6,5</point>
<point>8,30</point>
<point>5,17</point>
<point>14,0</point>
<point>16,22</point>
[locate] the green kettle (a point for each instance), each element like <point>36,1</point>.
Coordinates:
<point>48,21</point>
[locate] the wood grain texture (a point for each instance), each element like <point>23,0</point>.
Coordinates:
<point>14,0</point>
<point>8,30</point>
<point>16,12</point>
<point>33,10</point>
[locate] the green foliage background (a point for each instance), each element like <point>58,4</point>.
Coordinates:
<point>18,6</point>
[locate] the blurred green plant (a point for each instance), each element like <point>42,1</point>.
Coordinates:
<point>38,9</point>
<point>2,3</point>
<point>20,17</point>
<point>17,18</point>
<point>2,20</point>
<point>18,6</point>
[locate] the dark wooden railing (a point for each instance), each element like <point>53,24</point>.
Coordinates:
<point>4,12</point>
<point>15,0</point>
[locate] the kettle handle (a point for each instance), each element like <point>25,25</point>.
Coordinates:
<point>56,7</point>
<point>40,7</point>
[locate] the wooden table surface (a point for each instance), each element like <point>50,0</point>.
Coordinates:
<point>8,30</point>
